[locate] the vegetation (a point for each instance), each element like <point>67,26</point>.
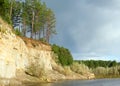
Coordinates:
<point>64,56</point>
<point>98,63</point>
<point>17,32</point>
<point>112,72</point>
<point>79,68</point>
<point>102,69</point>
<point>34,69</point>
<point>30,17</point>
<point>4,10</point>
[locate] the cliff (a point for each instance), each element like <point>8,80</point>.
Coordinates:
<point>27,59</point>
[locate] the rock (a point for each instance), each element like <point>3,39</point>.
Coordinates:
<point>18,54</point>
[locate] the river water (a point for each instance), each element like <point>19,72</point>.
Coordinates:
<point>98,82</point>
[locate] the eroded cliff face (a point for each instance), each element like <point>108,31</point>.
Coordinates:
<point>18,54</point>
<point>13,52</point>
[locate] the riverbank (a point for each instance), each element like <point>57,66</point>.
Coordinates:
<point>95,82</point>
<point>106,76</point>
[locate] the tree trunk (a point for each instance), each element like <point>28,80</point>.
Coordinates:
<point>24,28</point>
<point>11,10</point>
<point>39,34</point>
<point>48,34</point>
<point>32,24</point>
<point>43,32</point>
<point>35,35</point>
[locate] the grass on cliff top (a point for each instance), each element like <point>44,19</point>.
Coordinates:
<point>32,42</point>
<point>4,25</point>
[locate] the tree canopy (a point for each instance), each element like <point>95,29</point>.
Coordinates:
<point>64,55</point>
<point>98,63</point>
<point>31,17</point>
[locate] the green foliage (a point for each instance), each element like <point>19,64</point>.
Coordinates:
<point>39,19</point>
<point>102,69</point>
<point>43,40</point>
<point>64,55</point>
<point>4,10</point>
<point>50,22</point>
<point>98,63</point>
<point>17,32</point>
<point>34,15</point>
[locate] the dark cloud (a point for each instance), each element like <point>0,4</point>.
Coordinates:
<point>88,27</point>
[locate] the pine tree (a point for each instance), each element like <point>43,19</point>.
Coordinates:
<point>50,22</point>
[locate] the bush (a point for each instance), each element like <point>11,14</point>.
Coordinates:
<point>98,63</point>
<point>34,69</point>
<point>79,68</point>
<point>64,56</point>
<point>17,32</point>
<point>102,72</point>
<point>113,71</point>
<point>43,40</point>
<point>67,70</point>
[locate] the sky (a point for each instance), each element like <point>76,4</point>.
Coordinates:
<point>90,29</point>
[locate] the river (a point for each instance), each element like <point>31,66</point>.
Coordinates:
<point>98,82</point>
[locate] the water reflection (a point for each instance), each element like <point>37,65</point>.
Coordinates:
<point>100,82</point>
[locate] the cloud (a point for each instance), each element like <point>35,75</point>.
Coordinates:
<point>86,26</point>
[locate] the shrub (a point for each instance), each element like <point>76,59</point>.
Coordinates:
<point>43,40</point>
<point>79,68</point>
<point>100,71</point>
<point>113,71</point>
<point>35,69</point>
<point>17,32</point>
<point>64,56</point>
<point>67,70</point>
<point>106,72</point>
